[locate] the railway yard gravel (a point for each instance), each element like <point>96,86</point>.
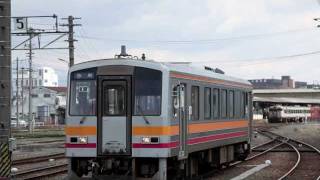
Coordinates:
<point>37,147</point>
<point>309,167</point>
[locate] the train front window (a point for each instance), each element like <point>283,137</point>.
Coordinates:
<point>83,93</point>
<point>148,88</point>
<point>83,98</point>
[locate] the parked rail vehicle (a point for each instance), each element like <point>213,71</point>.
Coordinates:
<point>145,119</point>
<point>280,113</point>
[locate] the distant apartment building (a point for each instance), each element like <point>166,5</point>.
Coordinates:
<point>44,76</point>
<point>43,79</point>
<point>48,103</point>
<point>284,83</point>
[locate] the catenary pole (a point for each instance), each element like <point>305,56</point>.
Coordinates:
<point>22,93</point>
<point>17,91</point>
<point>30,83</point>
<point>5,87</point>
<point>71,39</point>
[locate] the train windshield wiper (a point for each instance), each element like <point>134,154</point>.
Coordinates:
<point>143,116</point>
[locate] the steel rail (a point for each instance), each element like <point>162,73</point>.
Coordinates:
<point>262,144</point>
<point>295,165</point>
<point>27,174</point>
<point>38,159</point>
<point>261,153</point>
<point>297,142</point>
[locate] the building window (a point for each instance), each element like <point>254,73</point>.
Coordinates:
<point>231,104</point>
<point>46,95</point>
<point>195,102</point>
<point>207,103</point>
<point>45,71</point>
<point>224,103</point>
<point>34,95</point>
<point>40,82</point>
<point>45,81</point>
<point>216,107</point>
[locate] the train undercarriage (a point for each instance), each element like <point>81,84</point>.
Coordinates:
<point>197,164</point>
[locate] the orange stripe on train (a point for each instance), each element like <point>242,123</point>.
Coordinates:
<point>161,130</point>
<point>193,128</point>
<point>80,130</point>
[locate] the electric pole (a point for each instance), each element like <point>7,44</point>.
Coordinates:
<point>71,39</point>
<point>17,92</point>
<point>5,87</point>
<point>22,96</point>
<point>30,82</point>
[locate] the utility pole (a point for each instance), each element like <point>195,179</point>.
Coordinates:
<point>30,82</point>
<point>22,96</point>
<point>71,39</point>
<point>17,92</point>
<point>5,88</point>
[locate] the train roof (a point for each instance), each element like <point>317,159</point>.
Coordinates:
<point>186,68</point>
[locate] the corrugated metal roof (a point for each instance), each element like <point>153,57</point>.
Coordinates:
<point>287,100</point>
<point>265,91</point>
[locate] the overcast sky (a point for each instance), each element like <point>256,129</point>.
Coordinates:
<point>244,38</point>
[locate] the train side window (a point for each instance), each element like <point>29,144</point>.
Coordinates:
<point>224,103</point>
<point>246,107</point>
<point>242,104</point>
<point>207,103</point>
<point>216,107</point>
<point>195,102</point>
<point>237,104</point>
<point>231,104</point>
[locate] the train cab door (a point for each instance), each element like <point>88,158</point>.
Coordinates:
<point>114,115</point>
<point>180,104</point>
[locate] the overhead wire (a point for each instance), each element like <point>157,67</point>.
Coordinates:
<point>83,33</point>
<point>263,35</point>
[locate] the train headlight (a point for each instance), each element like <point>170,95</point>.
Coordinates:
<point>146,140</point>
<point>150,140</point>
<point>83,140</point>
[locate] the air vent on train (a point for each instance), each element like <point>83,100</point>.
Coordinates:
<point>216,70</point>
<point>123,53</point>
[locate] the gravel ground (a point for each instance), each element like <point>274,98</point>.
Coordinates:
<point>274,171</point>
<point>308,133</point>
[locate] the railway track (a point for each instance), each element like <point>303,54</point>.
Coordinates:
<point>42,172</point>
<point>296,150</point>
<point>34,171</point>
<point>299,147</point>
<point>38,159</point>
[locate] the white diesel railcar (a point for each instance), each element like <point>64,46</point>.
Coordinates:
<point>289,113</point>
<point>135,118</point>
